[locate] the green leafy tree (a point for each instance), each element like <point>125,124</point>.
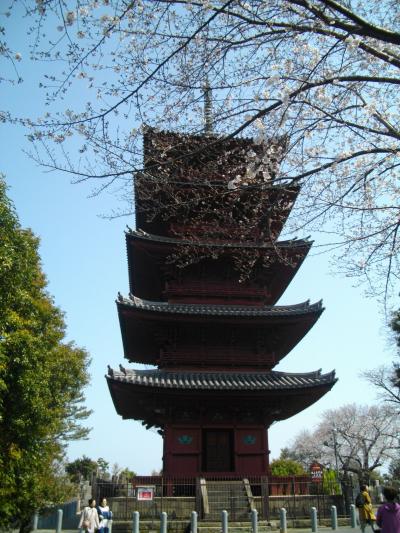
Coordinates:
<point>82,469</point>
<point>41,379</point>
<point>127,474</point>
<point>286,467</point>
<point>330,483</point>
<point>103,467</point>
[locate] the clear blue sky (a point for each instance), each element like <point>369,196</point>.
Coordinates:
<point>84,258</point>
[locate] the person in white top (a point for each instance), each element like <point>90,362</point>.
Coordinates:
<point>105,515</point>
<point>89,518</point>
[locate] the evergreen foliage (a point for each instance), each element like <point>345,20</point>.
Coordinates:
<point>286,467</point>
<point>82,468</point>
<point>330,483</point>
<point>41,379</point>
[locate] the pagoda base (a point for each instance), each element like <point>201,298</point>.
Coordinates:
<point>215,448</point>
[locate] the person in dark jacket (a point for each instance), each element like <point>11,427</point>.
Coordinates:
<point>388,515</point>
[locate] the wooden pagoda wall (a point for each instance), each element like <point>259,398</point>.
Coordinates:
<point>220,448</point>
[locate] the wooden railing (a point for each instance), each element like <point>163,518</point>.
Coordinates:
<point>209,287</point>
<point>231,231</point>
<point>215,292</point>
<point>214,356</point>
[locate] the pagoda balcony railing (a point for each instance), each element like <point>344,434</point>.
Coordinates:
<point>231,232</point>
<point>228,232</point>
<point>199,288</point>
<point>216,356</point>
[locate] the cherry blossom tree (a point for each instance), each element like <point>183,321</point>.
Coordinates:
<point>321,74</point>
<point>356,438</point>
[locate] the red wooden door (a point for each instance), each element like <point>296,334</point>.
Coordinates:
<point>217,450</point>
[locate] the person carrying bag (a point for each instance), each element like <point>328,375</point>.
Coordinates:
<point>365,512</point>
<point>89,521</point>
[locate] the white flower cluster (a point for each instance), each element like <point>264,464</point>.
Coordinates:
<point>352,43</point>
<point>261,167</point>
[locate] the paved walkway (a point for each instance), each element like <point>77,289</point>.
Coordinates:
<point>326,529</point>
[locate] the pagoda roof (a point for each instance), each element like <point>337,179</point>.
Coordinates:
<point>304,308</point>
<point>154,277</point>
<point>147,326</point>
<point>143,235</point>
<point>156,396</point>
<point>272,380</point>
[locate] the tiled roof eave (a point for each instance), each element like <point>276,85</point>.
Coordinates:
<point>234,381</point>
<point>304,308</point>
<point>142,235</point>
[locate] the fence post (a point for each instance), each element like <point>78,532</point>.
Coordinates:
<point>224,521</point>
<point>59,520</point>
<point>334,517</point>
<point>35,521</point>
<point>314,521</point>
<point>163,522</point>
<point>282,520</point>
<point>135,522</point>
<point>193,522</point>
<point>254,521</point>
<point>353,517</point>
<point>265,497</point>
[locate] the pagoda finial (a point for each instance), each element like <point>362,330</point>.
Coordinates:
<point>208,112</point>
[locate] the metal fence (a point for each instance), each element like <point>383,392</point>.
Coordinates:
<point>178,497</point>
<point>49,516</point>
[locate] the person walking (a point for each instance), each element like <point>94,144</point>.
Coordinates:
<point>388,514</point>
<point>89,518</point>
<point>365,512</point>
<point>105,515</point>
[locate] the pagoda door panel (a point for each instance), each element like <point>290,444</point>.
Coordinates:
<point>217,450</point>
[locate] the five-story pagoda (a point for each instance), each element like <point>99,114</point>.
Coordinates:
<point>206,269</point>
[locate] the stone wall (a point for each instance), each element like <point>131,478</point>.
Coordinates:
<point>178,508</point>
